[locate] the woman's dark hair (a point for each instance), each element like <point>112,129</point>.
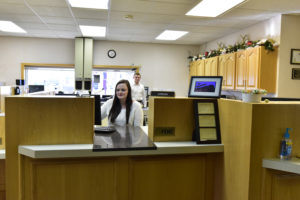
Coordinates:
<point>116,106</point>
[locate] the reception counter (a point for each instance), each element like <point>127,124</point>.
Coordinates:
<point>292,166</point>
<point>49,153</point>
<point>86,150</point>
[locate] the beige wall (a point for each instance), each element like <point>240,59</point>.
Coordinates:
<point>163,66</point>
<point>266,29</point>
<point>290,32</point>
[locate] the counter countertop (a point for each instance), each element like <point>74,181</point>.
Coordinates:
<point>292,165</point>
<point>86,150</point>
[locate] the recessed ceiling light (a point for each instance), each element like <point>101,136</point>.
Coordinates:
<point>93,31</point>
<point>8,26</point>
<point>213,8</point>
<point>171,35</point>
<point>96,4</point>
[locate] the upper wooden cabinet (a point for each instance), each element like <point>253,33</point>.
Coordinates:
<point>256,68</point>
<point>197,68</point>
<point>193,69</point>
<point>248,69</point>
<point>211,66</point>
<point>200,67</point>
<point>226,68</point>
<point>241,70</point>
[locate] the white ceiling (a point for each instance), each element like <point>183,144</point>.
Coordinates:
<point>56,19</point>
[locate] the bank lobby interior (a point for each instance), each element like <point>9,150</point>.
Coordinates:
<point>47,141</point>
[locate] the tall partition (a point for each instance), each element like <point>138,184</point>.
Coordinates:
<point>43,120</point>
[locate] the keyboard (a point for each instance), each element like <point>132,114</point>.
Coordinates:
<point>104,129</point>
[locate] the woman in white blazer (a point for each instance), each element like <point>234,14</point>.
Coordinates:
<point>122,110</point>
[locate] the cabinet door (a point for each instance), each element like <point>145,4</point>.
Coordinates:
<point>253,62</point>
<point>200,68</point>
<point>230,71</point>
<point>211,66</point>
<point>222,69</point>
<point>193,69</point>
<point>241,70</point>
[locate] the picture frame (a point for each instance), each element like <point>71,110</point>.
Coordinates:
<point>295,57</point>
<point>205,86</point>
<point>207,124</point>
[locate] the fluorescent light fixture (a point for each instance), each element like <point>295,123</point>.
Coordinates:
<point>171,35</point>
<point>8,26</point>
<point>213,8</point>
<point>96,4</point>
<point>94,31</point>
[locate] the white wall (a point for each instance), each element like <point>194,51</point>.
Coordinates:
<point>266,29</point>
<point>15,50</point>
<point>163,66</point>
<point>290,32</point>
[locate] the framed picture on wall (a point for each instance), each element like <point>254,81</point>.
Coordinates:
<point>295,57</point>
<point>207,125</point>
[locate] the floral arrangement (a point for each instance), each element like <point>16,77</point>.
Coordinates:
<point>243,44</point>
<point>255,91</point>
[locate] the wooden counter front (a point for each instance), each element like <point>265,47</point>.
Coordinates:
<point>160,177</point>
<point>43,120</point>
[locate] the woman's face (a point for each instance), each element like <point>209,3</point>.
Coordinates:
<point>122,91</point>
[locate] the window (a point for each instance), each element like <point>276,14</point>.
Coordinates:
<point>62,78</point>
<point>53,79</point>
<point>108,79</point>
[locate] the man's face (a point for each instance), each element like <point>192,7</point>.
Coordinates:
<point>137,78</point>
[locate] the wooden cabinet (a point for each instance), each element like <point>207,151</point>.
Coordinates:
<point>193,69</point>
<point>226,68</point>
<point>248,69</point>
<point>211,66</point>
<point>253,64</point>
<point>200,67</point>
<point>2,131</point>
<point>241,70</point>
<point>280,185</point>
<point>256,68</point>
<point>197,68</point>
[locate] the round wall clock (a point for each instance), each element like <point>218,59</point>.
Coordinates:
<point>111,53</point>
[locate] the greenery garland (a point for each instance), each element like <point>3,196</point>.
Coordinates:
<point>243,44</point>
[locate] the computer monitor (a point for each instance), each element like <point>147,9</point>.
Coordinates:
<point>36,88</point>
<point>205,86</point>
<point>97,109</point>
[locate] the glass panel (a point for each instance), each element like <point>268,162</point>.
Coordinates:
<point>206,108</point>
<point>208,134</point>
<point>53,79</point>
<point>106,80</point>
<point>63,79</point>
<point>207,121</point>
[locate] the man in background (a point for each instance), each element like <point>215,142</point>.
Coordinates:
<point>137,89</point>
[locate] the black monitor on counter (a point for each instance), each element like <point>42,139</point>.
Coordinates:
<point>36,88</point>
<point>159,93</point>
<point>97,109</point>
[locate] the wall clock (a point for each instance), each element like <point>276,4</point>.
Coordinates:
<point>111,53</point>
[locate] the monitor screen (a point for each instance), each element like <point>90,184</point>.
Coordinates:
<point>97,109</point>
<point>36,88</point>
<point>205,86</point>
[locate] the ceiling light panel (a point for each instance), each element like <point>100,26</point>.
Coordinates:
<point>95,4</point>
<point>213,8</point>
<point>8,26</point>
<point>93,31</point>
<point>171,35</point>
